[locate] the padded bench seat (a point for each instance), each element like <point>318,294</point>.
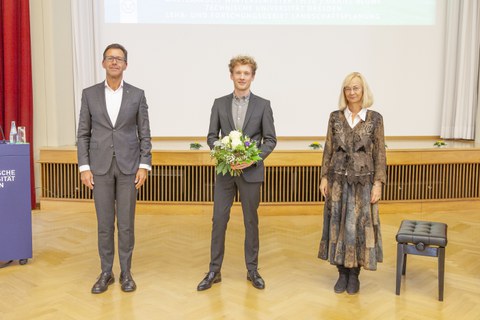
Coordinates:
<point>423,238</point>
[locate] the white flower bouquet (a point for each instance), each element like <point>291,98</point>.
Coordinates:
<point>234,149</point>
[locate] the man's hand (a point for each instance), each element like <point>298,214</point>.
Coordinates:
<point>324,187</point>
<point>140,177</point>
<point>241,166</point>
<point>87,179</point>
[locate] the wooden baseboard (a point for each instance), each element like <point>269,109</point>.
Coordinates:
<point>447,206</point>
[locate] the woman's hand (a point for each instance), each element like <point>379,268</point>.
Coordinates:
<point>324,187</point>
<point>376,193</point>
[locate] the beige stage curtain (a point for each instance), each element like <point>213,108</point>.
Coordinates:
<point>462,55</point>
<point>86,62</point>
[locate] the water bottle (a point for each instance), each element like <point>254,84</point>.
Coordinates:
<point>13,133</point>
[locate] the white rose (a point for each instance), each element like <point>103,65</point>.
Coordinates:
<point>236,142</point>
<point>235,134</point>
<point>226,140</point>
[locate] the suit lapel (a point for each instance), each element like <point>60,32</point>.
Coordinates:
<point>123,105</point>
<point>103,102</point>
<point>228,109</point>
<point>251,107</point>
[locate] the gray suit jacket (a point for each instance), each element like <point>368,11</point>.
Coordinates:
<point>258,126</point>
<point>99,139</point>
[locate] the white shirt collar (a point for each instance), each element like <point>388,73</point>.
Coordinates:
<point>108,87</point>
<point>361,115</point>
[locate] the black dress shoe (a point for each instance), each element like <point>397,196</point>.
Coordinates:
<point>126,280</point>
<point>211,278</point>
<point>256,279</point>
<point>104,280</point>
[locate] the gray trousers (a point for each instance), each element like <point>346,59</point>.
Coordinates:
<point>115,195</point>
<point>225,190</point>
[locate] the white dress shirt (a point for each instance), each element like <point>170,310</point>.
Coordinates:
<point>113,98</point>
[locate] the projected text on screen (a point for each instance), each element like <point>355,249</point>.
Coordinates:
<point>272,12</point>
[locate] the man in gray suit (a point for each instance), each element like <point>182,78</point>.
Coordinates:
<point>114,154</point>
<point>240,110</point>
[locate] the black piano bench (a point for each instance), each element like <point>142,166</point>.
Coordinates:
<point>422,238</point>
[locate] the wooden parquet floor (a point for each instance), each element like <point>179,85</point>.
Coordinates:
<point>172,255</point>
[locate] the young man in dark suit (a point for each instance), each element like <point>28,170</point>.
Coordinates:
<point>240,110</point>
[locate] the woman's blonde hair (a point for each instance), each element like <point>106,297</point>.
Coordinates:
<point>367,97</point>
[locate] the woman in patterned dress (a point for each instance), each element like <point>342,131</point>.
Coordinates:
<point>353,173</point>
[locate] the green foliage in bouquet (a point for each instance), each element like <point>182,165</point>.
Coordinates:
<point>234,149</point>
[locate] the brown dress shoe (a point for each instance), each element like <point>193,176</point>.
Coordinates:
<point>103,281</point>
<point>211,278</point>
<point>256,279</point>
<point>126,280</point>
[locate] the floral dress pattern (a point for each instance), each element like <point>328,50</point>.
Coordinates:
<point>353,159</point>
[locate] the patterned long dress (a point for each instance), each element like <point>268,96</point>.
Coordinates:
<point>353,159</point>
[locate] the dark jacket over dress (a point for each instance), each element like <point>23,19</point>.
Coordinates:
<point>353,159</point>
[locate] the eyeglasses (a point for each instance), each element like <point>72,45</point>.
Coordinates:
<point>354,89</point>
<point>118,59</point>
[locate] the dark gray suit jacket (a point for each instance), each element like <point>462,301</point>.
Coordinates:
<point>258,126</point>
<point>99,139</point>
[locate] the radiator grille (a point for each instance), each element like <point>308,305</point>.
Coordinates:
<point>283,184</point>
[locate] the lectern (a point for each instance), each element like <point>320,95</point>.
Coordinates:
<point>15,210</point>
